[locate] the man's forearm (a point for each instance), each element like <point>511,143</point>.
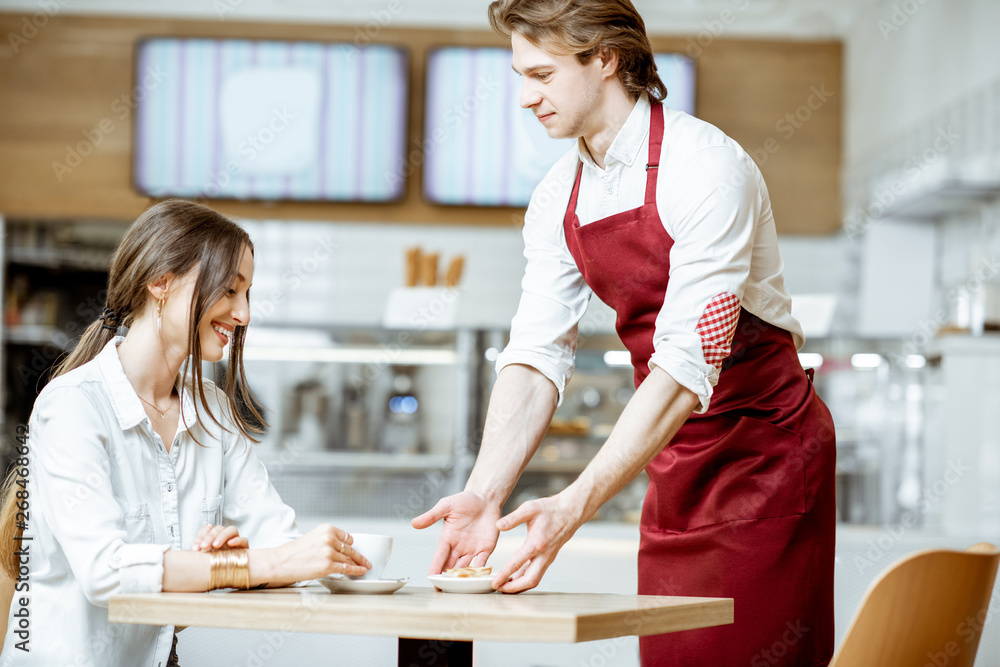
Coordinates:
<point>521,407</point>
<point>652,417</point>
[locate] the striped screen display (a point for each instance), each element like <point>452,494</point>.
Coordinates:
<point>481,148</point>
<point>269,120</point>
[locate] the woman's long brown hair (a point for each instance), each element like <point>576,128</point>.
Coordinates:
<point>171,237</point>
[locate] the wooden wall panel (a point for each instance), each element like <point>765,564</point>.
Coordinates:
<point>77,72</point>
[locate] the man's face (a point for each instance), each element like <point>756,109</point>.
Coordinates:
<point>562,93</point>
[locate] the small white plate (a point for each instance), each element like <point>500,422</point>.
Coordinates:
<point>372,586</point>
<point>461,585</point>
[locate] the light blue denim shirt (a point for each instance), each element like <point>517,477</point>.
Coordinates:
<point>107,500</point>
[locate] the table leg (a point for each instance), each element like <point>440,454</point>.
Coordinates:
<point>434,653</point>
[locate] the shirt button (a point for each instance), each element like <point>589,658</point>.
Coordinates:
<point>170,487</point>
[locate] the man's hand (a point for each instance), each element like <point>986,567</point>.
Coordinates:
<point>551,522</point>
<point>470,531</point>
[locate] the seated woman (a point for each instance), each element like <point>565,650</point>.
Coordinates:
<point>141,476</point>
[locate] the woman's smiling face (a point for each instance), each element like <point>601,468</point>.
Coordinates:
<point>219,322</point>
<point>232,310</point>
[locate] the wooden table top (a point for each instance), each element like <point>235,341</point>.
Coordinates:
<point>428,614</point>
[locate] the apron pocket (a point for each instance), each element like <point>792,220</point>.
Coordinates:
<point>138,524</point>
<point>754,470</point>
<point>211,511</point>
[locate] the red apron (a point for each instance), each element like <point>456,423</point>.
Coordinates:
<point>741,502</point>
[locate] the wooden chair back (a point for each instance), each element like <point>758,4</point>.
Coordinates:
<point>928,608</point>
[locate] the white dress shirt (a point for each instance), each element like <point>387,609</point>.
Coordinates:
<point>107,500</point>
<point>712,202</point>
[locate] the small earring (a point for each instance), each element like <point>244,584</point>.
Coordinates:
<point>159,315</point>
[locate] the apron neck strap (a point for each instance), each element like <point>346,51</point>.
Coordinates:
<point>655,142</point>
<point>652,167</point>
<point>574,195</point>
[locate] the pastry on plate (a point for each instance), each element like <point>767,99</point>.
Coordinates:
<point>469,572</point>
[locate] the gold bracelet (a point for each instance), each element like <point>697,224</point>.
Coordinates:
<point>229,568</point>
<point>241,569</point>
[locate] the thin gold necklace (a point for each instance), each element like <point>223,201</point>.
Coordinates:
<point>162,412</point>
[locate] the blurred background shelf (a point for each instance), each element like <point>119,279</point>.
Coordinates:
<point>36,335</point>
<point>292,460</point>
<point>54,258</point>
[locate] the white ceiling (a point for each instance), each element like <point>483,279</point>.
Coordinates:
<point>805,19</point>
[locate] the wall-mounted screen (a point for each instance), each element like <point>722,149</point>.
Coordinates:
<point>481,148</point>
<point>270,120</point>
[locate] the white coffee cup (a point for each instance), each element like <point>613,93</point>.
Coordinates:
<point>376,548</point>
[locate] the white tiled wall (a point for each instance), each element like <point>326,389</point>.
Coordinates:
<point>342,273</point>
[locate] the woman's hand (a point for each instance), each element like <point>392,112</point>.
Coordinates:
<point>214,538</point>
<point>323,550</point>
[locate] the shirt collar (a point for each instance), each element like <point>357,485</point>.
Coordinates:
<point>124,401</point>
<point>629,140</point>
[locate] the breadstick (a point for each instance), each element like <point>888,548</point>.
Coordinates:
<point>430,269</point>
<point>413,260</point>
<point>454,273</point>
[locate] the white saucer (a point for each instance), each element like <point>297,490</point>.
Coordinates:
<point>461,585</point>
<point>371,586</point>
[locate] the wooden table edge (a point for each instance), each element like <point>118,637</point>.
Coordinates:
<point>214,611</point>
<point>711,612</point>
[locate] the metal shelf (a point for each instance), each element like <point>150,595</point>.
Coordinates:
<point>560,466</point>
<point>304,343</point>
<point>292,460</point>
<point>35,334</point>
<point>56,258</point>
<point>354,355</point>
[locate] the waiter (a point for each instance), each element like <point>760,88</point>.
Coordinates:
<point>668,221</point>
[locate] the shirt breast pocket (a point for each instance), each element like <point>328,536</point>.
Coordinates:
<point>211,510</point>
<point>138,524</point>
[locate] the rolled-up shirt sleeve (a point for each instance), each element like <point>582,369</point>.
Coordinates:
<point>72,470</point>
<point>554,295</point>
<point>711,212</point>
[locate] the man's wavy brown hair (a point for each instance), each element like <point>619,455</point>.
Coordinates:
<point>584,28</point>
